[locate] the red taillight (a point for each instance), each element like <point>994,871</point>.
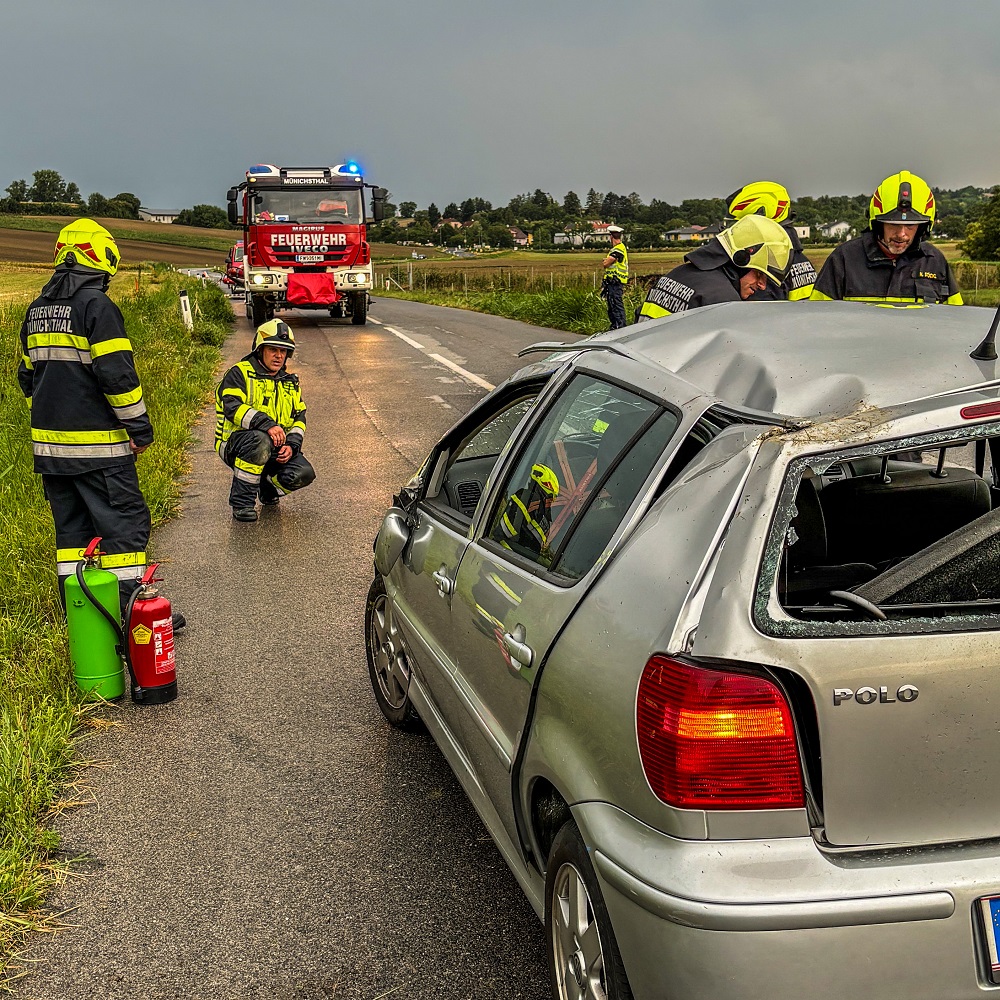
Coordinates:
<point>710,739</point>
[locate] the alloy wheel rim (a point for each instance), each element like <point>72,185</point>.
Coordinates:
<point>391,668</point>
<point>576,940</point>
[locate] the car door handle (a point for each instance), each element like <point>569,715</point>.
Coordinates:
<point>520,652</point>
<point>445,584</point>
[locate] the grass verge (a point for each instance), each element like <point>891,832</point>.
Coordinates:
<point>576,310</point>
<point>40,712</point>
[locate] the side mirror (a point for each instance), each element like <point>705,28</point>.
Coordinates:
<point>391,540</point>
<point>233,213</point>
<point>378,203</point>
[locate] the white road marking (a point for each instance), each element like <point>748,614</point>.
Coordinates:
<point>377,322</point>
<point>408,340</point>
<point>459,370</point>
<point>441,360</point>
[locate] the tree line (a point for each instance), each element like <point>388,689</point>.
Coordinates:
<point>542,215</point>
<point>970,214</point>
<point>49,194</point>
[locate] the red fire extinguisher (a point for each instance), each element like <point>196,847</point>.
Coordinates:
<point>149,650</point>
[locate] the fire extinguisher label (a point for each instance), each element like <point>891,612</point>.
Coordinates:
<point>163,646</point>
<point>142,635</point>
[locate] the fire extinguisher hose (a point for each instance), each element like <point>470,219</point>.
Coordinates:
<point>112,621</point>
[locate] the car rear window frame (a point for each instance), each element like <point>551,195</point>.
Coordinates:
<point>788,627</point>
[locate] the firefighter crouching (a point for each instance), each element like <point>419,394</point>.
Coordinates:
<point>260,424</point>
<point>772,200</point>
<point>892,261</point>
<point>88,416</point>
<point>732,266</point>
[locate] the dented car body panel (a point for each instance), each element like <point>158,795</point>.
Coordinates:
<point>803,496</point>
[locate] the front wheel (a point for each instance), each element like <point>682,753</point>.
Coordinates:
<point>359,308</point>
<point>584,961</point>
<point>258,308</point>
<point>388,667</point>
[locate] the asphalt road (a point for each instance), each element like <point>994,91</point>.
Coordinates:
<point>267,835</point>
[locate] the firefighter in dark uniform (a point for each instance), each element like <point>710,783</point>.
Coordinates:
<point>892,260</point>
<point>732,266</point>
<point>260,423</point>
<point>88,416</point>
<point>773,201</point>
<point>615,278</point>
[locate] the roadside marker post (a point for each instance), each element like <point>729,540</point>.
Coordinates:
<point>186,310</point>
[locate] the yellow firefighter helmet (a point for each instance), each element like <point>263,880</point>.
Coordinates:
<point>87,243</point>
<point>765,198</point>
<point>757,242</point>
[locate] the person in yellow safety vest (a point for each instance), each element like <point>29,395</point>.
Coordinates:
<point>88,415</point>
<point>892,261</point>
<point>773,201</point>
<point>615,278</point>
<point>731,266</point>
<point>260,422</point>
<point>525,520</point>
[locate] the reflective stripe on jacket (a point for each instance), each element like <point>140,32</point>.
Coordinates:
<point>619,269</point>
<point>860,271</point>
<point>78,375</point>
<point>250,397</point>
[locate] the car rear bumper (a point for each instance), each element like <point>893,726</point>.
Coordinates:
<point>715,920</point>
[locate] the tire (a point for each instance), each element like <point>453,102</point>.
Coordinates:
<point>388,667</point>
<point>258,310</point>
<point>584,960</point>
<point>359,308</point>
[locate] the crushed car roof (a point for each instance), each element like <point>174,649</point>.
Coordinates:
<point>816,360</point>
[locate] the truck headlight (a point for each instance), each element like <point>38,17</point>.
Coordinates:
<point>262,279</point>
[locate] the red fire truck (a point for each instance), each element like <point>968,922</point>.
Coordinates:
<point>234,268</point>
<point>304,239</point>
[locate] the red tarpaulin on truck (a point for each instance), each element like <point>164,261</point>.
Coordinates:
<point>311,289</point>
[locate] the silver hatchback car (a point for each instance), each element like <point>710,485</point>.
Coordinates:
<point>705,616</point>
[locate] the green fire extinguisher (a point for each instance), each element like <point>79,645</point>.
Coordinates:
<point>92,610</point>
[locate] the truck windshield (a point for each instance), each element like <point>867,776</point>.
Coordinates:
<point>309,205</point>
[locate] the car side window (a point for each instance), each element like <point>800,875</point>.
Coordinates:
<point>567,468</point>
<point>606,511</point>
<point>470,466</point>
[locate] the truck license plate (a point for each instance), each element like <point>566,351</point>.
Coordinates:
<point>989,907</point>
<point>308,258</point>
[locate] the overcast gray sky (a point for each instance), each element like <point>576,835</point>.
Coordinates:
<point>440,100</point>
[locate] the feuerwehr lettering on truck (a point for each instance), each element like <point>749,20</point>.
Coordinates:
<point>319,242</point>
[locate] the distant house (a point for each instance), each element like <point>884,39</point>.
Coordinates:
<point>836,230</point>
<point>165,215</point>
<point>453,223</point>
<point>802,231</point>
<point>567,239</point>
<point>686,234</point>
<point>521,238</point>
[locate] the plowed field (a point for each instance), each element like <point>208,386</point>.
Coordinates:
<point>23,246</point>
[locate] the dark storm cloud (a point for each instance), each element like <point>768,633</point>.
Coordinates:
<point>444,99</point>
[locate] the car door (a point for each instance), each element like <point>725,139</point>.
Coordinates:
<point>449,488</point>
<point>538,545</point>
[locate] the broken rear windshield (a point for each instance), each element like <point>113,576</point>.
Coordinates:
<point>897,538</point>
